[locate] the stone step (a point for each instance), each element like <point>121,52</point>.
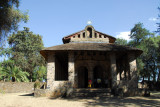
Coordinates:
<point>91,92</point>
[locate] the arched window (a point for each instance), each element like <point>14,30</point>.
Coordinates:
<point>89,32</point>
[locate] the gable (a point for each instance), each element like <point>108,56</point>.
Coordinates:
<point>89,35</point>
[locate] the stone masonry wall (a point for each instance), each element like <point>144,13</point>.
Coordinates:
<point>113,70</point>
<point>130,86</point>
<point>16,87</point>
<point>50,70</point>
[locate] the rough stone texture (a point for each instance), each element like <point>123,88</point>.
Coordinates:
<point>90,61</point>
<point>91,53</point>
<point>71,69</point>
<point>50,70</point>
<point>129,87</point>
<point>16,87</point>
<point>41,93</point>
<point>133,71</point>
<point>113,70</point>
<point>143,85</point>
<point>106,40</point>
<point>59,89</point>
<point>89,36</point>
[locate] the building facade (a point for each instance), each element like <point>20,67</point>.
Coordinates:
<point>91,56</point>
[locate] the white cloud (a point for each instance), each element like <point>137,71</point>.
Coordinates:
<point>123,35</point>
<point>152,19</point>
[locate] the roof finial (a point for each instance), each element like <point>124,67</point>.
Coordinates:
<point>89,22</point>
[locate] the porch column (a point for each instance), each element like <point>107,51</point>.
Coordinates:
<point>71,69</point>
<point>113,70</point>
<point>90,70</point>
<point>50,70</point>
<point>90,74</point>
<point>133,70</point>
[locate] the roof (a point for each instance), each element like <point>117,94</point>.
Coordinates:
<point>66,39</point>
<point>91,47</point>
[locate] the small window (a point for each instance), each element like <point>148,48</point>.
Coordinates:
<point>89,32</point>
<point>78,36</point>
<point>95,35</point>
<point>100,36</point>
<point>83,35</point>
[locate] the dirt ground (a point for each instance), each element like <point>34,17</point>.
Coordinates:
<point>27,100</point>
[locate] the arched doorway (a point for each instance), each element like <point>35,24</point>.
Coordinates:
<point>82,77</point>
<point>100,77</point>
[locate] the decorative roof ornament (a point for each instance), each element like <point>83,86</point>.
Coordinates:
<point>89,22</point>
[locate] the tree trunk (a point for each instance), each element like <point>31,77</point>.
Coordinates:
<point>143,79</point>
<point>158,79</point>
<point>13,79</point>
<point>149,78</point>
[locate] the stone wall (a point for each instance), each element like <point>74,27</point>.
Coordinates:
<point>16,87</point>
<point>105,40</point>
<point>50,70</point>
<point>59,89</point>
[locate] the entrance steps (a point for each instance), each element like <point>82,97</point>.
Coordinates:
<point>91,92</point>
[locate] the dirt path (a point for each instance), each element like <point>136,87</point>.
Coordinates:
<point>27,100</point>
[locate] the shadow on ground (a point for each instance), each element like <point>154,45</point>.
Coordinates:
<point>31,94</point>
<point>152,101</point>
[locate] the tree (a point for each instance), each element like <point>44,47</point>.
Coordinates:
<point>121,41</point>
<point>40,73</point>
<point>151,56</point>
<point>144,40</point>
<point>138,34</point>
<point>25,47</point>
<point>10,16</point>
<point>158,23</point>
<point>8,71</point>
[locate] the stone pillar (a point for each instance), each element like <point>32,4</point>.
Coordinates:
<point>133,70</point>
<point>93,34</point>
<point>81,35</point>
<point>71,69</point>
<point>102,36</point>
<point>113,70</point>
<point>76,36</point>
<point>97,35</point>
<point>50,70</point>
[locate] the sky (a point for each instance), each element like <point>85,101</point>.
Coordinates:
<point>54,19</point>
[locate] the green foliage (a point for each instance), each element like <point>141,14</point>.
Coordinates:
<point>5,52</point>
<point>37,84</point>
<point>25,47</point>
<point>10,16</point>
<point>40,73</point>
<point>158,23</point>
<point>143,39</point>
<point>121,41</point>
<point>9,71</point>
<point>138,34</point>
<point>146,41</point>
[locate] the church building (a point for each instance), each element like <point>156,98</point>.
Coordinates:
<point>90,59</point>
